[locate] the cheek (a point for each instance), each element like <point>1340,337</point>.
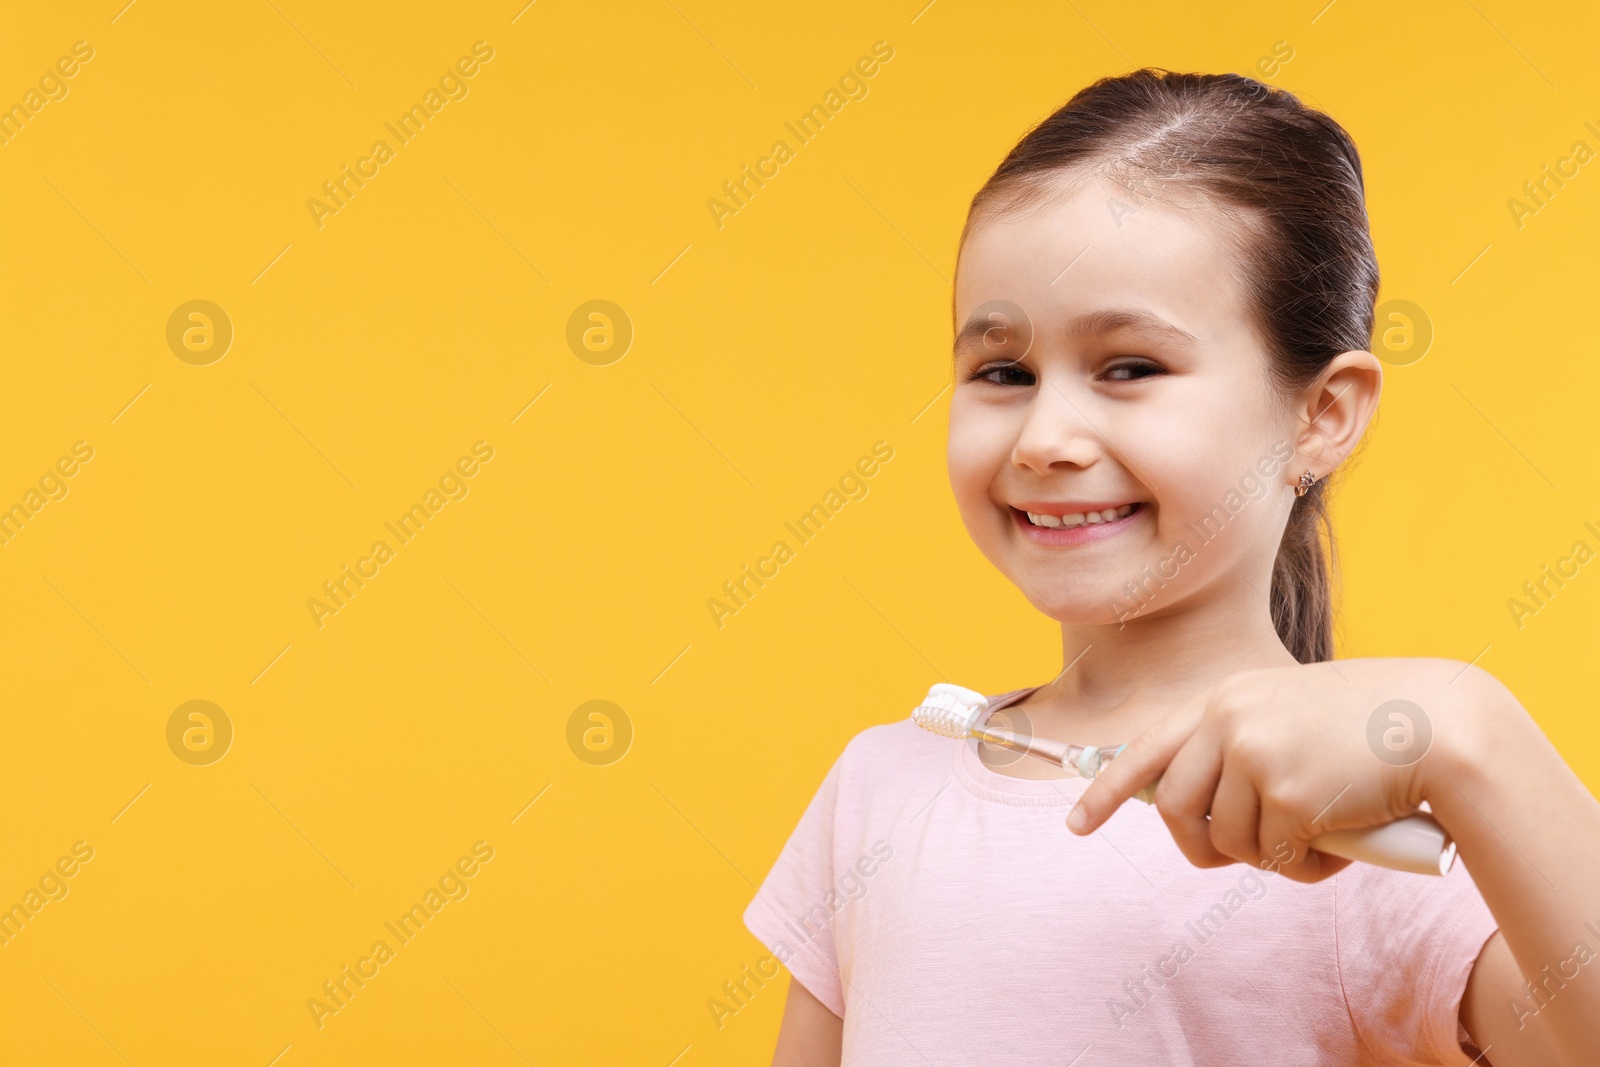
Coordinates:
<point>1193,452</point>
<point>1192,456</point>
<point>979,446</point>
<point>1206,502</point>
<point>976,450</point>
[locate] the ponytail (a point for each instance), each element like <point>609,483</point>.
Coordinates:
<point>1302,585</point>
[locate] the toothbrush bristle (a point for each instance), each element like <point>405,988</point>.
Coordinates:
<point>950,710</point>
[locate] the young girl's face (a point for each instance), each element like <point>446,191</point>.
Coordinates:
<point>1078,391</point>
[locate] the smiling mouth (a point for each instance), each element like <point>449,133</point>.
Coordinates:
<point>1082,518</point>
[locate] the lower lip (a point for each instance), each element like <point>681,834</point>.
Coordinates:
<point>1075,535</point>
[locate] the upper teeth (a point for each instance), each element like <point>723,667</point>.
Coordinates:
<point>1080,518</point>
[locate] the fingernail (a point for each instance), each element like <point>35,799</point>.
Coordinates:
<point>1077,820</point>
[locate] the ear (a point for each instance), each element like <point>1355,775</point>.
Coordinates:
<point>1334,411</point>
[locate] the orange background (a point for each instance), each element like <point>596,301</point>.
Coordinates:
<point>768,354</point>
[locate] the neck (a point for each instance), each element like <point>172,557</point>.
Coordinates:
<point>1120,678</point>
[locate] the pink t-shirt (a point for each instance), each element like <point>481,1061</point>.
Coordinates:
<point>945,912</point>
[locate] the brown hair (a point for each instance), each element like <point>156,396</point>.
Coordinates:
<point>1290,178</point>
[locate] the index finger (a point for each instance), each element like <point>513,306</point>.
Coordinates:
<point>1139,763</point>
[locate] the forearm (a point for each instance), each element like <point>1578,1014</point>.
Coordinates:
<point>1529,833</point>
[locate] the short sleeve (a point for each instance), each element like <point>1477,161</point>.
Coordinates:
<point>1407,944</point>
<point>790,914</point>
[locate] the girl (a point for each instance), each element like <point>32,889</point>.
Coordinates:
<point>1163,301</point>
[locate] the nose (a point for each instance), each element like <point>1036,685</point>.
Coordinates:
<point>1056,429</point>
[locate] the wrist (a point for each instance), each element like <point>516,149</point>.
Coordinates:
<point>1478,726</point>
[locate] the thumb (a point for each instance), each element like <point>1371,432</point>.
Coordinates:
<point>1139,763</point>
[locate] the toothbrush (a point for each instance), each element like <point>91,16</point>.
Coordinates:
<point>1414,843</point>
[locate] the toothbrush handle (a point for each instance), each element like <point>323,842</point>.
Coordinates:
<point>1415,843</point>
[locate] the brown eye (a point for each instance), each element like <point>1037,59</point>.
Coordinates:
<point>995,374</point>
<point>1132,371</point>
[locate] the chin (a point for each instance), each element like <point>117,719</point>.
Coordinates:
<point>1074,608</point>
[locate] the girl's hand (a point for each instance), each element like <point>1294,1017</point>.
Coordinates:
<point>1276,757</point>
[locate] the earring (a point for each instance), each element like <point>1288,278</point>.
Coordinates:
<point>1307,480</point>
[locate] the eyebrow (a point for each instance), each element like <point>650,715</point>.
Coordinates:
<point>1106,320</point>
